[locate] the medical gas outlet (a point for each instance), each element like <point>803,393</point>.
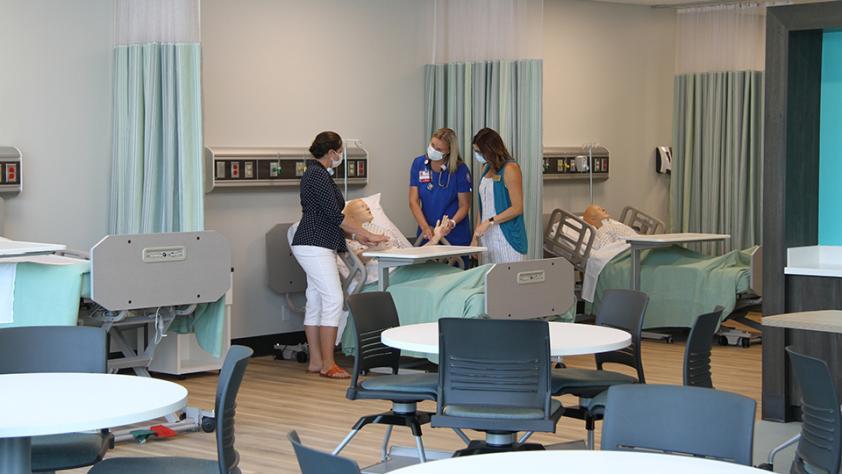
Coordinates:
<point>272,167</point>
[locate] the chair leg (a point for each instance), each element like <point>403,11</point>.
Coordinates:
<point>384,450</point>
<point>345,441</point>
<point>463,436</point>
<point>422,455</point>
<point>589,426</point>
<point>525,437</point>
<point>781,447</point>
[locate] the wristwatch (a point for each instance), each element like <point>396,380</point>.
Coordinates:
<point>491,220</point>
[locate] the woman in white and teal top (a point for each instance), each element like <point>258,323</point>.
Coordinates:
<point>501,228</point>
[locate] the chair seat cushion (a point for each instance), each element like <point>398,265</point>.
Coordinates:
<point>67,451</point>
<point>427,384</point>
<point>155,466</point>
<point>498,412</point>
<point>567,381</point>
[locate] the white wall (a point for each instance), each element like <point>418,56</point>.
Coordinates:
<point>276,73</point>
<point>55,106</point>
<point>608,78</point>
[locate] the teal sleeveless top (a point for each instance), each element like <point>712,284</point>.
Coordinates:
<point>515,229</point>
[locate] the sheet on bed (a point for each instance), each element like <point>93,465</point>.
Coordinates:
<point>427,292</point>
<point>48,288</point>
<point>681,283</point>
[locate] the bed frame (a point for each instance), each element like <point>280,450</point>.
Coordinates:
<point>567,235</point>
<point>520,290</point>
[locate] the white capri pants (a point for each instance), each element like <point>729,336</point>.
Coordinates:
<point>324,290</point>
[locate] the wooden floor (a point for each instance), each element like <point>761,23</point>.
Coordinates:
<point>277,396</point>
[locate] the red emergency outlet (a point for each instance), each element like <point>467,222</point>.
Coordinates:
<point>235,169</point>
<point>361,168</point>
<point>11,172</point>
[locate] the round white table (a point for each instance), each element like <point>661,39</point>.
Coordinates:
<point>566,339</point>
<point>592,462</point>
<point>56,403</point>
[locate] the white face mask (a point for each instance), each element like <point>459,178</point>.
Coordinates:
<point>434,154</point>
<point>337,162</point>
<point>478,156</point>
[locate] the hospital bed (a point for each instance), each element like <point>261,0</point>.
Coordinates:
<point>567,235</point>
<point>137,287</point>
<point>425,292</point>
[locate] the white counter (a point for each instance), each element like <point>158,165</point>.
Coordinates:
<point>817,260</point>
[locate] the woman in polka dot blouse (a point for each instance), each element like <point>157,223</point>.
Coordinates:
<point>320,235</point>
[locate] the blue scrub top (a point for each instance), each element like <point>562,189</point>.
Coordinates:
<point>443,197</point>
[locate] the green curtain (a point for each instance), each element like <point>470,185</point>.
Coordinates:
<point>156,181</point>
<point>505,96</point>
<point>717,165</point>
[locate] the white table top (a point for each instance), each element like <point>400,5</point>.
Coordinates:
<point>814,260</point>
<point>824,321</point>
<point>14,247</point>
<point>53,403</point>
<point>421,253</point>
<point>565,338</point>
<point>591,462</point>
<point>675,238</point>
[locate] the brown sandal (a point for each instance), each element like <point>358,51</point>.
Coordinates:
<point>335,372</point>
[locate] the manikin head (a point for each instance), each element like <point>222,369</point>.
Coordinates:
<point>358,210</point>
<point>594,215</point>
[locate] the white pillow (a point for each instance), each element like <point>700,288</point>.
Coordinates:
<point>382,220</point>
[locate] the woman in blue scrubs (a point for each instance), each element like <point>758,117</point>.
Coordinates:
<point>440,185</point>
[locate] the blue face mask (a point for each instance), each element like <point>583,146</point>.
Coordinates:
<point>478,156</point>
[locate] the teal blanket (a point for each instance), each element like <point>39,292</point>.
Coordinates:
<point>681,283</point>
<point>49,295</point>
<point>428,292</point>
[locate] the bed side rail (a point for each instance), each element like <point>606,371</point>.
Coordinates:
<point>641,222</point>
<point>569,236</point>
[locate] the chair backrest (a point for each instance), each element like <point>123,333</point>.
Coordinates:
<point>623,309</point>
<point>697,352</point>
<point>312,461</point>
<point>53,349</point>
<point>678,419</point>
<point>373,313</point>
<point>497,362</point>
<point>820,445</point>
<point>230,378</point>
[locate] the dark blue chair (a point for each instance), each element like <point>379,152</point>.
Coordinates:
<point>677,419</point>
<point>619,309</point>
<point>494,376</point>
<point>374,313</point>
<point>313,461</point>
<point>820,444</point>
<point>58,349</point>
<point>697,353</point>
<point>230,378</point>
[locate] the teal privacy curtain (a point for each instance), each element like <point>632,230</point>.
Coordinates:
<point>717,164</point>
<point>504,95</point>
<point>156,183</point>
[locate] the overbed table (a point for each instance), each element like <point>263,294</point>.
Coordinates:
<point>395,257</point>
<point>55,403</point>
<point>566,339</point>
<point>592,462</point>
<point>643,242</point>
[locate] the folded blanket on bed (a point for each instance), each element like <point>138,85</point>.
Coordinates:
<point>48,295</point>
<point>681,283</point>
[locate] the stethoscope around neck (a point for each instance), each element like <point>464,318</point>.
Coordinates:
<point>430,167</point>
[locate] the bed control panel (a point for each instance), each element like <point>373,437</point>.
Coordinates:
<point>575,163</point>
<point>10,170</point>
<point>272,167</point>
